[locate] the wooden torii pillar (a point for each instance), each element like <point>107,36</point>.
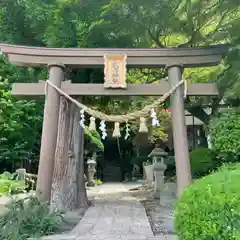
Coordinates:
<point>57,59</point>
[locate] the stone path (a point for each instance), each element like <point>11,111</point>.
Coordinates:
<point>115,215</point>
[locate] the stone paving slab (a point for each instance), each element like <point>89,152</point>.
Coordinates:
<point>126,237</point>
<point>109,237</point>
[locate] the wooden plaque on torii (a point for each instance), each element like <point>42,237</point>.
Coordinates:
<point>115,71</point>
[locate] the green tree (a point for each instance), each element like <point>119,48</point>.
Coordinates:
<point>188,23</point>
<point>20,124</point>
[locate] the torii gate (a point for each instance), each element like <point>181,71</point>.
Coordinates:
<point>57,60</point>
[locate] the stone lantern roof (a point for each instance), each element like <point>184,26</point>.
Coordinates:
<point>91,161</point>
<point>158,152</point>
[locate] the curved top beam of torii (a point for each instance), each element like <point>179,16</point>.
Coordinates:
<point>93,57</point>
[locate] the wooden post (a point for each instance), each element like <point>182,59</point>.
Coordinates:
<point>179,131</point>
<point>49,133</point>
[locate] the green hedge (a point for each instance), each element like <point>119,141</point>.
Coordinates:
<point>225,134</point>
<point>203,161</point>
<point>210,208</point>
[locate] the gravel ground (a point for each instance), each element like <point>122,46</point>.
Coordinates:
<point>160,214</point>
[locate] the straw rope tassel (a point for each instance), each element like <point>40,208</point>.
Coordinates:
<point>92,125</point>
<point>185,89</point>
<point>143,125</point>
<point>116,131</point>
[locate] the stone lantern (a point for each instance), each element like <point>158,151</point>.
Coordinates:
<point>91,171</point>
<point>159,168</point>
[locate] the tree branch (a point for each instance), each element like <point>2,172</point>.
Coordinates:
<point>211,34</point>
<point>156,39</point>
<point>199,113</point>
<point>215,105</point>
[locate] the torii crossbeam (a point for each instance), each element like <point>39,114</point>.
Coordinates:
<point>58,59</point>
<point>75,89</point>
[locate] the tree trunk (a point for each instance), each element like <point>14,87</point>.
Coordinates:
<point>78,140</point>
<point>64,195</point>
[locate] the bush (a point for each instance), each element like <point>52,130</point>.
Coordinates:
<point>210,208</point>
<point>10,186</point>
<point>203,161</point>
<point>225,135</point>
<point>98,182</point>
<point>28,218</point>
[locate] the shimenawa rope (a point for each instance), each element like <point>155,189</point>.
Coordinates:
<point>121,118</point>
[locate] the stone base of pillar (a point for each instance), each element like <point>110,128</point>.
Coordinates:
<point>21,174</point>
